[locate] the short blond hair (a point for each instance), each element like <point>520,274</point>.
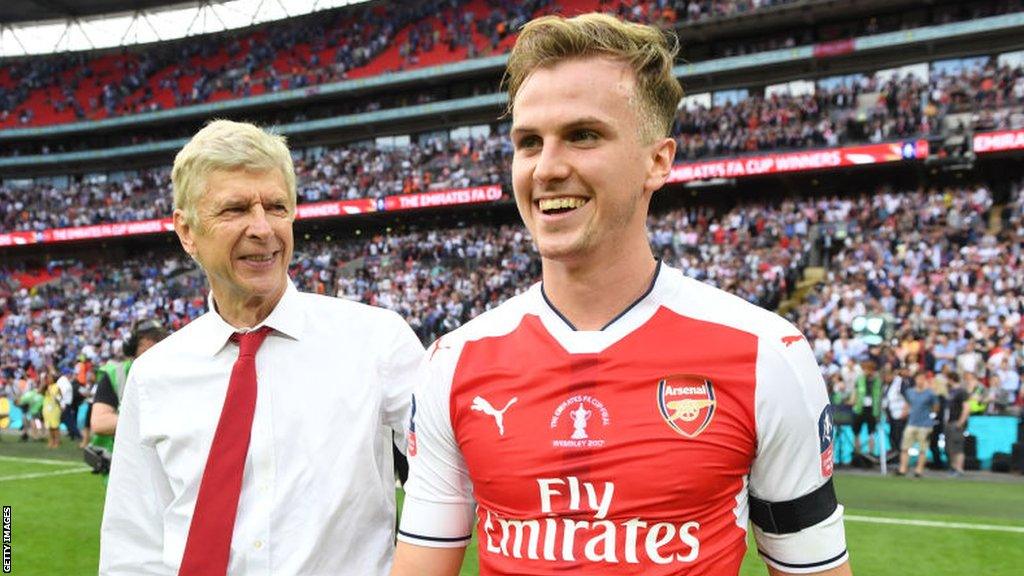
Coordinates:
<point>648,51</point>
<point>227,145</point>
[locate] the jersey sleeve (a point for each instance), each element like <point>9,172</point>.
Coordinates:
<point>792,472</point>
<point>398,374</point>
<point>438,511</point>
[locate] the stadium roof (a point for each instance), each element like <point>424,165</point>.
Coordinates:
<point>49,26</point>
<point>33,10</point>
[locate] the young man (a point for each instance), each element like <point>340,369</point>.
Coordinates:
<point>921,403</point>
<point>221,462</point>
<point>957,414</point>
<point>617,418</point>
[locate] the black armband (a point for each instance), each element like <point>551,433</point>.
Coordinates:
<point>794,515</point>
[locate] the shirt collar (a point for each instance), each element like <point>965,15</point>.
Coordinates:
<point>286,318</point>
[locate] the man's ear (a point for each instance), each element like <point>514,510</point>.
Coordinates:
<point>663,153</point>
<point>185,232</point>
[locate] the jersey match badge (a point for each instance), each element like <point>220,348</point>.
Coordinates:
<point>825,432</point>
<point>687,403</point>
<point>581,414</point>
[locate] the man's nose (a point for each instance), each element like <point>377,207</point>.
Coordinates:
<point>552,164</point>
<point>259,225</point>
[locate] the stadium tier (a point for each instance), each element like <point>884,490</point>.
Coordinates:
<point>934,262</point>
<point>981,96</point>
<point>379,38</point>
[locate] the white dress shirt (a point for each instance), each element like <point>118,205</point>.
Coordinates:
<point>318,492</point>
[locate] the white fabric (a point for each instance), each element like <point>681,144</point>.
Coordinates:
<point>318,494</point>
<point>66,391</point>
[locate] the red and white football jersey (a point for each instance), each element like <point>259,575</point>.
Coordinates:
<point>629,450</point>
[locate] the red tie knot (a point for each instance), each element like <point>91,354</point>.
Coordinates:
<point>249,342</point>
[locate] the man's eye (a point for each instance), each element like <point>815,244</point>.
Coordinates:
<point>528,142</point>
<point>584,135</point>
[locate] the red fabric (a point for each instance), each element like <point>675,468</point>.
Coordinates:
<point>213,521</point>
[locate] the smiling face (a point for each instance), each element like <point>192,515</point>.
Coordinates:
<point>243,237</point>
<point>581,175</point>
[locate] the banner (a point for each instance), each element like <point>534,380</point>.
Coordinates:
<point>334,208</point>
<point>327,209</point>
<point>998,141</point>
<point>834,48</point>
<point>19,238</point>
<point>444,198</point>
<point>112,230</point>
<point>800,161</point>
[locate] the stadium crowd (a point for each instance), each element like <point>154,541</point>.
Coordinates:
<point>346,172</point>
<point>990,97</point>
<point>950,287</point>
<point>901,107</point>
<point>928,261</point>
<point>297,53</point>
<point>436,279</point>
<point>861,108</point>
<point>354,42</point>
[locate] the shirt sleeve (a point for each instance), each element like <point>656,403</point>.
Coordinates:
<point>131,536</point>
<point>105,392</point>
<point>794,456</point>
<point>398,375</point>
<point>438,510</point>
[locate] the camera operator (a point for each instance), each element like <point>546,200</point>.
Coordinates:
<point>110,381</point>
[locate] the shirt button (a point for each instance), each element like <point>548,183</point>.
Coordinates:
<point>257,544</point>
<point>264,486</point>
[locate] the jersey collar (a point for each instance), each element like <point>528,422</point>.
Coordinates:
<point>574,341</point>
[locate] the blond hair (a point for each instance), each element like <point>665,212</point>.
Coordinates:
<point>649,52</point>
<point>227,145</point>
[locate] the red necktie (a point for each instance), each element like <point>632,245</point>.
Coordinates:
<point>209,536</point>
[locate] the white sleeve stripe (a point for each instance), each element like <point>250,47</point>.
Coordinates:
<point>816,566</point>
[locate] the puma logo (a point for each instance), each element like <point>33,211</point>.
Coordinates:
<point>481,405</point>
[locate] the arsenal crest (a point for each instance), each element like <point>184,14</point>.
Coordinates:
<point>687,403</point>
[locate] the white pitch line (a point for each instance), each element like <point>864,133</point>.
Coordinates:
<point>44,474</point>
<point>934,524</point>
<point>39,461</point>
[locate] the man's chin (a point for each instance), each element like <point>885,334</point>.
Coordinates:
<point>263,288</point>
<point>561,252</point>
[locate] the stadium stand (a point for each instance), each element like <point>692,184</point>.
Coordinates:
<point>363,41</point>
<point>863,107</point>
<point>921,228</point>
<point>905,255</point>
<point>437,279</point>
<point>983,97</point>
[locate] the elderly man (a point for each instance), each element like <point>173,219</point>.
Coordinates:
<point>257,439</point>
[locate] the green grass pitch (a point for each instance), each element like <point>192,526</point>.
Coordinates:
<point>56,509</point>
